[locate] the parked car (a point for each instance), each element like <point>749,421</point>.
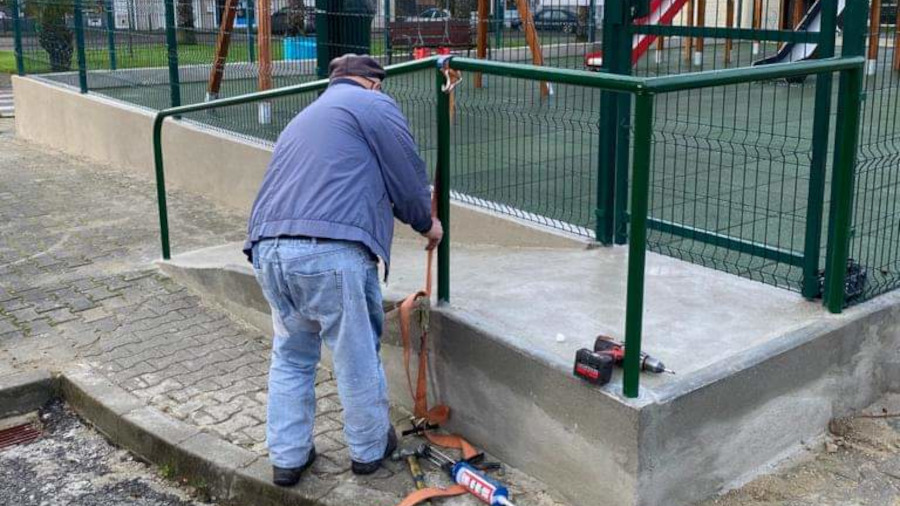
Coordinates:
<point>280,21</point>
<point>555,20</point>
<point>432,14</point>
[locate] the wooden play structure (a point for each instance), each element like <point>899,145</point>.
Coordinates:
<point>452,34</point>
<point>223,42</point>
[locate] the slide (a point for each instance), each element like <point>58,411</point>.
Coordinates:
<point>662,12</point>
<point>812,22</point>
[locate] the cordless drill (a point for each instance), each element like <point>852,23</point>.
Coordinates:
<point>606,345</point>
<point>595,366</point>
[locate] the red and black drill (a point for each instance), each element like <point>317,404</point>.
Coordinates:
<point>595,366</point>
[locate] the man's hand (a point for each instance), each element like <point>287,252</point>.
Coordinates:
<point>434,235</point>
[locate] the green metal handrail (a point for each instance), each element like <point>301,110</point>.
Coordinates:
<point>644,90</point>
<point>402,68</point>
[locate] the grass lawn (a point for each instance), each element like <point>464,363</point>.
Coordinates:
<point>7,62</point>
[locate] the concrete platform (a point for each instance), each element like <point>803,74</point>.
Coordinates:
<point>760,370</point>
<point>695,317</point>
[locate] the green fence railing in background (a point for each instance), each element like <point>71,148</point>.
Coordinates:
<point>646,90</point>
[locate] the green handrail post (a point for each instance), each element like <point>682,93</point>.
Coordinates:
<point>172,53</point>
<point>846,141</point>
<point>79,43</point>
<point>637,245</point>
<point>17,38</point>
<point>161,185</point>
<point>251,41</point>
<point>821,128</point>
<point>110,33</point>
<point>443,188</point>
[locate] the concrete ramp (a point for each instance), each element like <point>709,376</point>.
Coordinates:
<point>760,370</point>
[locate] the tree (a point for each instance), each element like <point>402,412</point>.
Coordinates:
<point>185,12</point>
<point>53,35</point>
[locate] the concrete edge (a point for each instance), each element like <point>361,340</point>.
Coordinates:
<point>786,342</point>
<point>229,473</point>
<point>25,392</point>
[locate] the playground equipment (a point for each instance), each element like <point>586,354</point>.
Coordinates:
<point>223,42</point>
<point>662,12</point>
<point>811,22</point>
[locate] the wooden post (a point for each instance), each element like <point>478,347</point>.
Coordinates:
<point>531,37</point>
<point>688,44</point>
<point>782,7</point>
<point>264,38</point>
<point>874,33</point>
<point>660,48</point>
<point>729,23</point>
<point>223,41</point>
<point>701,23</point>
<point>797,14</point>
<point>482,31</point>
<point>757,22</point>
<point>897,39</point>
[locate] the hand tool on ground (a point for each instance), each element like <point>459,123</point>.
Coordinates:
<point>412,459</point>
<point>616,350</point>
<point>419,426</point>
<point>462,472</point>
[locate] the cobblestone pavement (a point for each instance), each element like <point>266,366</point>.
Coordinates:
<point>77,283</point>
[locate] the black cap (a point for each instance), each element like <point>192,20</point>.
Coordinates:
<point>355,65</point>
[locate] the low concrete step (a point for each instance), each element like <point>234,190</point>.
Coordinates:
<point>760,370</point>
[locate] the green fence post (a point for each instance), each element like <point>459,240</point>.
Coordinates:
<point>613,14</point>
<point>387,30</point>
<point>846,140</point>
<point>17,38</point>
<point>592,12</point>
<point>79,42</point>
<point>172,53</point>
<point>637,247</point>
<point>443,187</point>
<point>323,49</point>
<point>251,41</point>
<point>623,131</point>
<point>110,34</point>
<point>817,168</point>
<point>500,21</point>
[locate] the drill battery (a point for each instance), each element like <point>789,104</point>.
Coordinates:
<point>595,368</point>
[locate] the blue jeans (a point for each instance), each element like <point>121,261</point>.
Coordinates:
<point>323,291</point>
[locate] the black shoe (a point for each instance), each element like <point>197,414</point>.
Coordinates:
<point>284,477</point>
<point>371,467</point>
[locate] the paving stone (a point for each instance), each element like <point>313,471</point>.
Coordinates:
<point>156,351</point>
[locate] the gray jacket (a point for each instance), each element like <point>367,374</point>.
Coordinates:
<point>343,169</point>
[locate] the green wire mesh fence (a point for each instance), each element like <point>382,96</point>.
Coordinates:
<point>733,165</point>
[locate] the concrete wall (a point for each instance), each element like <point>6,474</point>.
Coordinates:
<point>735,421</point>
<point>224,168</point>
